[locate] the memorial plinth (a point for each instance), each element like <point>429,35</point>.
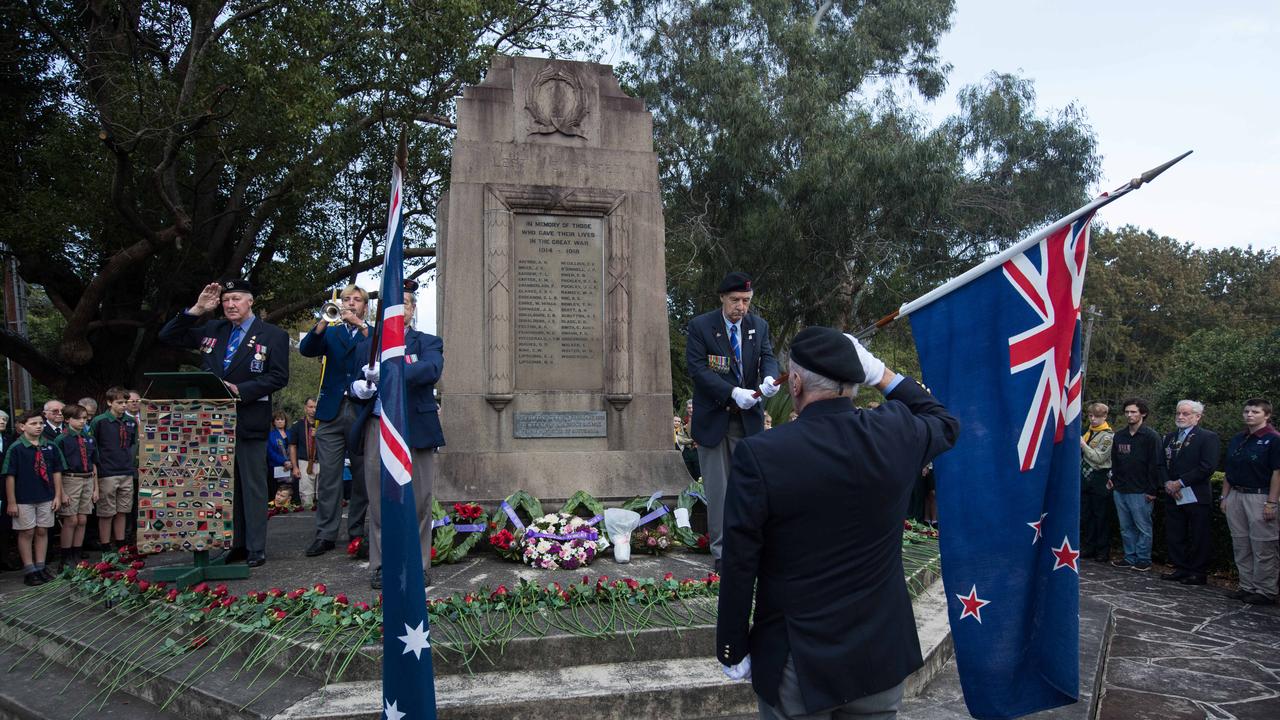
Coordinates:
<point>552,288</point>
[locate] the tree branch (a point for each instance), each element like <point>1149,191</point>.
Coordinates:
<point>334,277</point>
<point>44,369</point>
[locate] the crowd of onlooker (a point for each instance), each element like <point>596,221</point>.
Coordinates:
<point>1135,469</point>
<point>66,463</point>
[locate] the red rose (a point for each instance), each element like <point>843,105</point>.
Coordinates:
<point>275,592</point>
<point>143,586</point>
<point>172,595</point>
<point>201,588</point>
<point>340,600</point>
<point>361,605</point>
<point>199,642</point>
<point>280,614</point>
<point>433,553</point>
<point>321,589</point>
<point>137,565</point>
<point>221,590</point>
<point>668,576</point>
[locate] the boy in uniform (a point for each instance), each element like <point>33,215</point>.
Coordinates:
<point>116,437</point>
<point>79,483</point>
<point>32,471</point>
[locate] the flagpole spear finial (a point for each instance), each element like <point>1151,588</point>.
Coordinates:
<point>1151,174</point>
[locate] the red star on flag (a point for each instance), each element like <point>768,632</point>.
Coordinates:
<point>972,604</point>
<point>1036,526</point>
<point>1064,556</point>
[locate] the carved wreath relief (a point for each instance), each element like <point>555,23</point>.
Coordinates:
<point>557,103</point>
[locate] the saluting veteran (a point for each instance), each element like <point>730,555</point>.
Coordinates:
<point>728,355</point>
<point>251,356</point>
<point>833,633</point>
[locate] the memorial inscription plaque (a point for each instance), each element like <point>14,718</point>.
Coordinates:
<point>559,302</point>
<point>590,423</point>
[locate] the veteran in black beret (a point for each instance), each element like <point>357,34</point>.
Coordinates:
<point>251,357</point>
<point>729,358</point>
<point>813,525</point>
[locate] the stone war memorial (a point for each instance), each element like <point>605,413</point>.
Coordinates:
<point>552,288</point>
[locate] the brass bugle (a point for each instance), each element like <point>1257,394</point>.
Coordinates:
<point>331,312</point>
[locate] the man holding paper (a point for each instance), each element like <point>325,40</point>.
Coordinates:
<point>731,362</point>
<point>1190,457</point>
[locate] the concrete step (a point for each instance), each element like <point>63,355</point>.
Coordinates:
<point>186,688</point>
<point>680,688</point>
<point>26,694</point>
<point>656,671</point>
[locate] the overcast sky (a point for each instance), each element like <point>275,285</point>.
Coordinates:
<point>1154,79</point>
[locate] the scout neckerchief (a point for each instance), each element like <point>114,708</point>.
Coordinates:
<point>84,452</point>
<point>42,469</point>
<point>1088,435</point>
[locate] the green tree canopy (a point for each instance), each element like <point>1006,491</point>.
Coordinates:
<point>160,145</point>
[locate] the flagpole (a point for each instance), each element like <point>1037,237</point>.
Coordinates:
<point>1000,258</point>
<point>402,162</point>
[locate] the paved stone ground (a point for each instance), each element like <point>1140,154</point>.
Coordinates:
<point>1175,653</point>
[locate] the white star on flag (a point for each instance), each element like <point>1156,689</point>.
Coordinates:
<point>415,640</point>
<point>1036,526</point>
<point>392,712</point>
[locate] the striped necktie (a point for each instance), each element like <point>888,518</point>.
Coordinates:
<point>233,343</point>
<point>737,351</point>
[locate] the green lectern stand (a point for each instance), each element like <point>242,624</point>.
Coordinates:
<point>186,474</point>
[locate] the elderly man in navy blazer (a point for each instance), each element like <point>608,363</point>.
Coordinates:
<point>337,412</point>
<point>251,356</point>
<point>833,632</point>
<point>729,356</point>
<point>1190,458</point>
<point>424,362</point>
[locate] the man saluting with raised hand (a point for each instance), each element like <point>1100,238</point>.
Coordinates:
<point>729,358</point>
<point>833,633</point>
<point>251,357</point>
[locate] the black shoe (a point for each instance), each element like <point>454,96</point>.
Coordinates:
<point>236,555</point>
<point>257,561</point>
<point>33,578</point>
<point>1175,575</point>
<point>1140,567</point>
<point>1239,594</point>
<point>47,574</point>
<point>1121,563</point>
<point>1258,599</point>
<point>319,547</point>
<point>1193,580</point>
<point>375,579</point>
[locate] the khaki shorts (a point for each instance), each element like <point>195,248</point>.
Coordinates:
<point>33,516</point>
<point>77,494</point>
<point>115,495</point>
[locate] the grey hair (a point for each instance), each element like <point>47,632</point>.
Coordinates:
<point>1196,407</point>
<point>815,381</point>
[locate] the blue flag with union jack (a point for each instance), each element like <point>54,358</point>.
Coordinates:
<point>408,679</point>
<point>1002,352</point>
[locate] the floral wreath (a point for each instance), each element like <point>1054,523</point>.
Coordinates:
<point>560,541</point>
<point>507,527</point>
<point>651,510</point>
<point>582,504</point>
<point>454,534</point>
<point>690,497</point>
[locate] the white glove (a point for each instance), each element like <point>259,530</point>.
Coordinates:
<point>741,671</point>
<point>767,388</point>
<point>872,366</point>
<point>372,372</point>
<point>745,398</point>
<point>363,389</point>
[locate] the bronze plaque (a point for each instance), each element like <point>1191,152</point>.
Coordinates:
<point>559,302</point>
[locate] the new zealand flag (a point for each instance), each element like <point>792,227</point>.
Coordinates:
<point>408,680</point>
<point>1002,352</point>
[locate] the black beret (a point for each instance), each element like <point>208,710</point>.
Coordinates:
<point>735,282</point>
<point>237,285</point>
<point>829,353</point>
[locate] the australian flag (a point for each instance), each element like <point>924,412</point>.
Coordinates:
<point>1002,352</point>
<point>408,680</point>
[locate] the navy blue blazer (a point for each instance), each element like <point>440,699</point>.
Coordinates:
<point>424,362</point>
<point>709,359</point>
<point>1193,463</point>
<point>814,512</point>
<point>342,364</point>
<point>254,378</point>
